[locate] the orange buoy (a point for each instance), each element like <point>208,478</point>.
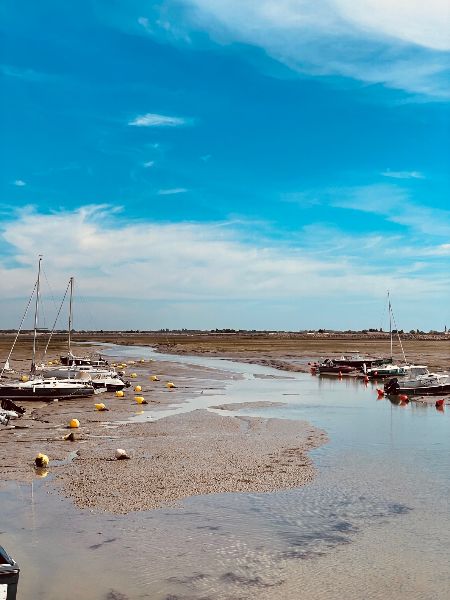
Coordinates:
<point>340,375</point>
<point>74,424</point>
<point>366,379</point>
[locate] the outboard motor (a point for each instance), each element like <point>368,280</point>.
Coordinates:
<point>392,387</point>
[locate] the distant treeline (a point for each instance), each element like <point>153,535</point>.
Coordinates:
<point>228,331</point>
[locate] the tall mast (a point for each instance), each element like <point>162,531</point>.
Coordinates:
<point>390,323</point>
<point>70,311</point>
<point>36,315</point>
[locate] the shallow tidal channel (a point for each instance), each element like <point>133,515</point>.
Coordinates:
<point>374,523</point>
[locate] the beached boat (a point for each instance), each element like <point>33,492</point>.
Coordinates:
<point>86,368</point>
<point>358,361</point>
<point>390,368</point>
<point>387,370</point>
<point>70,359</point>
<point>329,367</point>
<point>429,384</point>
<point>100,378</point>
<point>38,387</point>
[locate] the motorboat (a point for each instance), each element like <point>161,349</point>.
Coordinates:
<point>358,361</point>
<point>387,370</point>
<point>429,384</point>
<point>100,378</point>
<point>329,367</point>
<point>392,370</point>
<point>70,359</point>
<point>110,383</point>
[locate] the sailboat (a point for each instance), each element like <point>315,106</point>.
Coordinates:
<point>391,369</point>
<point>70,359</point>
<point>38,387</point>
<point>97,372</point>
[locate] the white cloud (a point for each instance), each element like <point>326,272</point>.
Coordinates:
<point>19,183</point>
<point>117,261</point>
<point>155,120</point>
<point>403,174</point>
<point>149,164</point>
<point>395,204</point>
<point>400,44</point>
<point>170,191</point>
<point>424,23</point>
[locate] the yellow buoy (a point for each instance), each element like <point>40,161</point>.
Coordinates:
<point>100,406</point>
<point>134,375</point>
<point>153,378</point>
<point>74,423</point>
<point>41,460</point>
<point>141,360</point>
<point>138,388</point>
<point>24,378</point>
<point>170,385</point>
<point>120,394</point>
<point>140,400</point>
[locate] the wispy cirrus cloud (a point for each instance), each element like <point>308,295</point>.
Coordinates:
<point>395,204</point>
<point>402,45</point>
<point>171,191</point>
<point>19,183</point>
<point>403,174</point>
<point>156,120</point>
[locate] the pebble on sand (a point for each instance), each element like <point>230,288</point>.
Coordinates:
<point>121,454</point>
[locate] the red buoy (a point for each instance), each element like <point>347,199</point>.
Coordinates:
<point>380,393</point>
<point>366,379</point>
<point>403,398</point>
<point>440,403</point>
<point>340,374</point>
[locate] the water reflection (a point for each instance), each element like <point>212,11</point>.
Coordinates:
<point>373,524</point>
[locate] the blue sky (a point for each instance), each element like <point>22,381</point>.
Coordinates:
<point>228,164</point>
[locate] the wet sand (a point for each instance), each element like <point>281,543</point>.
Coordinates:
<point>172,458</point>
<point>168,456</point>
<point>192,454</point>
<point>292,350</point>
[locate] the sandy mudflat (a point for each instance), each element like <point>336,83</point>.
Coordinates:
<point>178,456</point>
<point>244,405</point>
<point>172,458</point>
<point>190,454</point>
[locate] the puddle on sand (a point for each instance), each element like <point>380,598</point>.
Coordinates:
<point>373,524</point>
